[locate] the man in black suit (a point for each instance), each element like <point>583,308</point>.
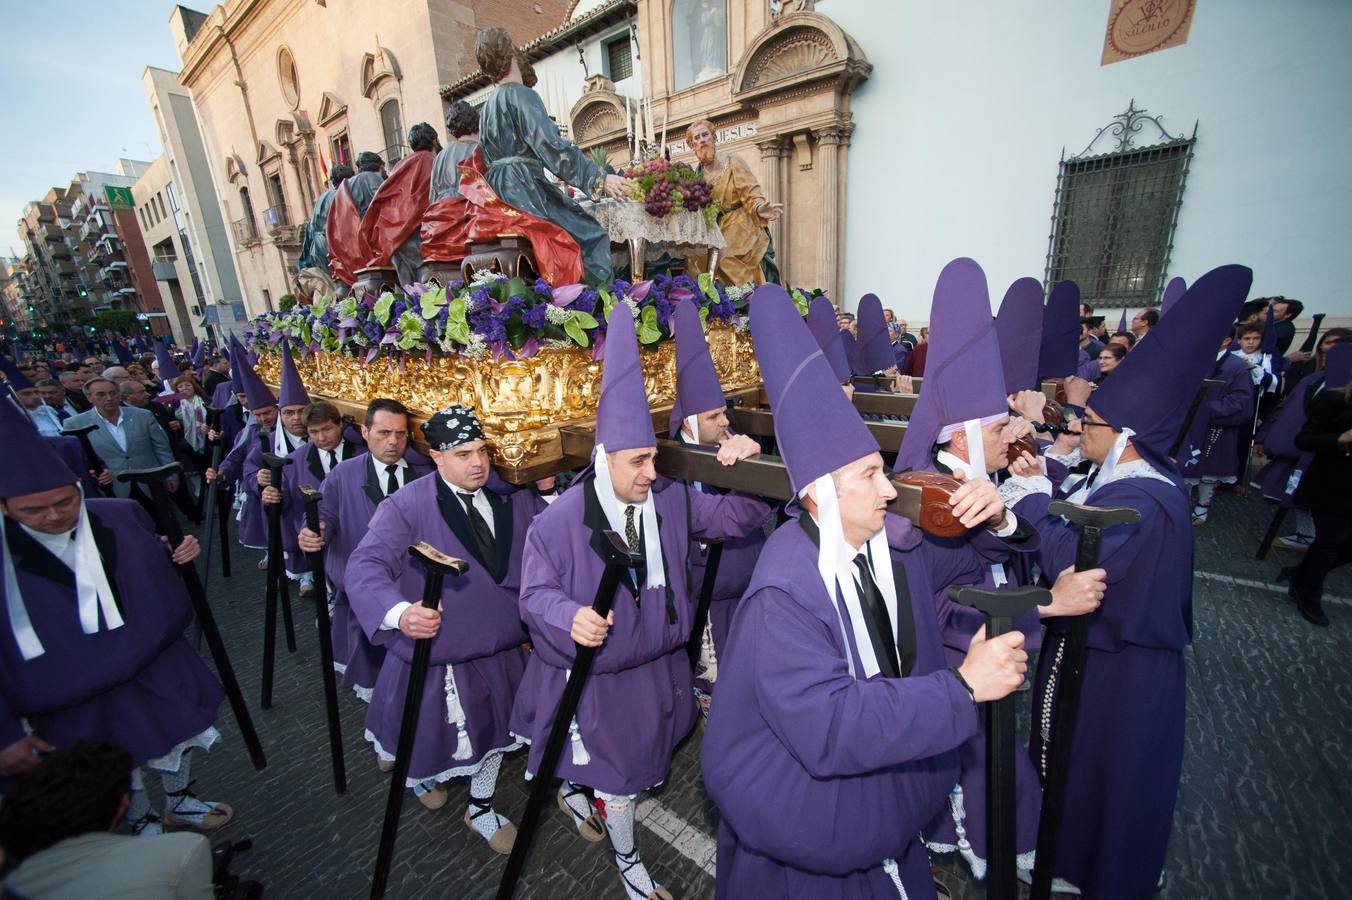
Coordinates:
<point>218,372</point>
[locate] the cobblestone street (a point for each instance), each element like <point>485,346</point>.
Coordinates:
<point>1263,810</point>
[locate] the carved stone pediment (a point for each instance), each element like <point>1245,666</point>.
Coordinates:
<point>330,108</point>
<point>598,113</point>
<point>267,152</point>
<point>797,49</point>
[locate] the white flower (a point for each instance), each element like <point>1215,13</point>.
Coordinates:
<point>487,276</point>
<point>736,292</point>
<point>633,306</point>
<point>552,344</point>
<point>477,348</point>
<point>555,315</point>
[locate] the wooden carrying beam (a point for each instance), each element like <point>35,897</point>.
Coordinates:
<point>761,423</point>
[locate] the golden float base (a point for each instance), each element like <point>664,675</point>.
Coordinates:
<point>521,403</point>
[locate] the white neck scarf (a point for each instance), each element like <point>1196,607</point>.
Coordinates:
<point>656,575</point>
<point>835,564</point>
<point>1101,477</point>
<point>92,590</point>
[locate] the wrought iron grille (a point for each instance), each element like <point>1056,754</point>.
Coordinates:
<point>1115,214</point>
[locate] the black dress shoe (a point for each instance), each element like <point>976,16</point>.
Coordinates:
<point>1313,612</point>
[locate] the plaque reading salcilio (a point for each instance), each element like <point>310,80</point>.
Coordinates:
<point>1138,27</point>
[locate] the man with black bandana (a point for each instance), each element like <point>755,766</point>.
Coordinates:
<point>478,659</point>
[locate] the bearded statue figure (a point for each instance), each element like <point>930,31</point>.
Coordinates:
<point>745,211</point>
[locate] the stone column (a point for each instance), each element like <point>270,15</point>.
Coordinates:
<point>773,151</point>
<point>831,143</point>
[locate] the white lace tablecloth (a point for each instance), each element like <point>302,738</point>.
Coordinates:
<point>678,233</point>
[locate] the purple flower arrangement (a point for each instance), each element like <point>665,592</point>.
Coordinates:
<point>505,318</point>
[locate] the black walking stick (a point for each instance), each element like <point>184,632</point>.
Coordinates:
<point>209,492</point>
<point>618,557</point>
<point>1001,609</point>
<point>706,596</point>
<point>312,498</point>
<point>276,576</point>
<point>1274,527</point>
<point>1068,680</point>
<point>92,459</point>
<point>437,566</point>
<point>1207,384</point>
<point>168,524</point>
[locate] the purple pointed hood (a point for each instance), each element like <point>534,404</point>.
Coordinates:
<point>1019,328</point>
<point>1338,365</point>
<point>199,354</point>
<point>697,387</point>
<point>1307,346</point>
<point>622,418</point>
<point>168,368</point>
<point>16,378</point>
<point>257,395</point>
<point>1150,391</point>
<point>1175,289</point>
<point>122,353</point>
<point>875,350</point>
<point>804,393</point>
<point>1060,353</point>
<point>1122,321</point>
<point>42,468</point>
<point>821,320</point>
<point>292,392</point>
<point>851,348</point>
<point>964,378</point>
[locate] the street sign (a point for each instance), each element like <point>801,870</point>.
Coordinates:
<point>119,197</point>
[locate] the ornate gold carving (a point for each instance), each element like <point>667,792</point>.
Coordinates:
<point>521,403</point>
<point>796,51</point>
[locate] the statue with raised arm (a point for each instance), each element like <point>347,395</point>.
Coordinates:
<point>520,142</point>
<point>744,209</point>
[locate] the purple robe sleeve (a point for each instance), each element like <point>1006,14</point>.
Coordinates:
<point>375,567</point>
<point>253,461</point>
<point>1233,404</point>
<point>11,729</point>
<point>721,517</point>
<point>545,605</point>
<point>833,724</point>
<point>233,463</point>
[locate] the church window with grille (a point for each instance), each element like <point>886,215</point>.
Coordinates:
<point>1116,212</point>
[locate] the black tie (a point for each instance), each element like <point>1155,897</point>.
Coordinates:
<point>631,530</point>
<point>392,484</point>
<point>482,535</point>
<point>333,459</point>
<point>880,624</point>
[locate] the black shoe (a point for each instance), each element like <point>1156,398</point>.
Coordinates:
<point>1313,612</point>
<point>1284,576</point>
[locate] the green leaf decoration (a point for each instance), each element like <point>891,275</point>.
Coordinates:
<point>431,303</point>
<point>706,286</point>
<point>457,329</point>
<point>574,330</point>
<point>649,332</point>
<point>383,307</point>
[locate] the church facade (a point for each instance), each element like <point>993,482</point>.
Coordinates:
<point>286,88</point>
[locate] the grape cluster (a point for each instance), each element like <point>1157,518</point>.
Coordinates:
<point>659,200</point>
<point>697,194</point>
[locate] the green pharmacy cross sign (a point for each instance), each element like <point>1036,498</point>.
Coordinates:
<point>119,197</point>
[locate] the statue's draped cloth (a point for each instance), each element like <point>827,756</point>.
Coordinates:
<point>737,192</point>
<point>519,143</point>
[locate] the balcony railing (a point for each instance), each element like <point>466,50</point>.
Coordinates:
<point>275,217</point>
<point>245,231</point>
<point>164,269</point>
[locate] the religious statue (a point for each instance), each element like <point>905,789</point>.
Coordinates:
<point>315,250</point>
<point>744,210</point>
<point>465,210</point>
<point>520,142</point>
<point>700,40</point>
<point>390,225</point>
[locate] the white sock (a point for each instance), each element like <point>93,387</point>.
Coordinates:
<point>178,796</point>
<point>575,798</point>
<point>481,787</point>
<point>1205,491</point>
<point>638,884</point>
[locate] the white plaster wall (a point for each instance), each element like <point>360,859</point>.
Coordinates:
<point>960,127</point>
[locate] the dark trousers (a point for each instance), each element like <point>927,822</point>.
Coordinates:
<point>1332,548</point>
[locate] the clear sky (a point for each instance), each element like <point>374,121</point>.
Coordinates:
<point>70,79</point>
